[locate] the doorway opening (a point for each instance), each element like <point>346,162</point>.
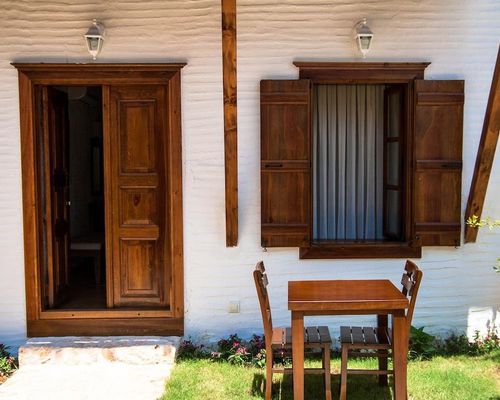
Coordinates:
<point>73,172</point>
<point>102,198</point>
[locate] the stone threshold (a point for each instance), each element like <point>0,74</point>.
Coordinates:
<point>133,350</point>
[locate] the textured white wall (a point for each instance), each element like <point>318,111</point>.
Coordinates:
<point>460,38</point>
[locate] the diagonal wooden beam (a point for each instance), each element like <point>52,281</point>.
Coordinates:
<point>230,119</point>
<point>485,154</point>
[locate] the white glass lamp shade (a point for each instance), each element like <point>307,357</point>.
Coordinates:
<point>94,38</point>
<point>364,37</point>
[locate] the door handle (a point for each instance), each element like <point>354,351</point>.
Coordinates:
<point>274,165</point>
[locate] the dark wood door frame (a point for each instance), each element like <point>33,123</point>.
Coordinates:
<point>111,321</point>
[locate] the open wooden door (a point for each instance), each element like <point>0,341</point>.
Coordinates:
<point>138,237</point>
<point>54,143</point>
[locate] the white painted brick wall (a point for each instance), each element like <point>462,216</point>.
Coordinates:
<point>459,37</point>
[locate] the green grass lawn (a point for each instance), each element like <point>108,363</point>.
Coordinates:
<point>456,378</point>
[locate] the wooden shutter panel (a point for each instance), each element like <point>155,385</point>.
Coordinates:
<point>438,161</point>
<point>285,163</point>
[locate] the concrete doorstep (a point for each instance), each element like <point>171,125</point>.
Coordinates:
<point>81,368</point>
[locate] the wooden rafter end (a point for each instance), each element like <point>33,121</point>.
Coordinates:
<point>485,155</point>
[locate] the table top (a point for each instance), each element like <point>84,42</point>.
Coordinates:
<point>345,296</point>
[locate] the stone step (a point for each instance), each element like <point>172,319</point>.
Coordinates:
<point>133,350</point>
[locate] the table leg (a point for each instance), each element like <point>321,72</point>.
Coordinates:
<point>399,354</point>
<point>298,355</point>
<point>382,322</point>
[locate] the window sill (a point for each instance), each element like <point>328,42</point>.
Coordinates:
<point>355,249</point>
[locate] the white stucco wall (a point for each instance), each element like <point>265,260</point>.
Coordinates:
<point>460,38</point>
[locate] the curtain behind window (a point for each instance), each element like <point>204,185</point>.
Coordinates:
<point>348,155</point>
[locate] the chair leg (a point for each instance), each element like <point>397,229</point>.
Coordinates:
<point>269,374</point>
<point>327,373</point>
<point>343,373</point>
<point>382,366</point>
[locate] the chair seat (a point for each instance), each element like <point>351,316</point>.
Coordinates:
<point>370,337</point>
<point>314,336</point>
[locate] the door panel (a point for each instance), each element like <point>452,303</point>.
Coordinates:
<point>55,145</point>
<point>138,132</point>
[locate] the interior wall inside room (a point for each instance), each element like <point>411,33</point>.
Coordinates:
<point>85,124</point>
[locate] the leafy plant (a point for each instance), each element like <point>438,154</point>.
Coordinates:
<point>239,352</point>
<point>486,344</point>
<point>8,363</point>
<point>476,222</point>
<point>189,350</point>
<point>422,344</point>
<point>455,344</point>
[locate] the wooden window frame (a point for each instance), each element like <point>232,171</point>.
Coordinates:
<point>372,73</point>
<point>112,321</point>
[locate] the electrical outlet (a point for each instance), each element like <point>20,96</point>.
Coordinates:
<point>234,307</point>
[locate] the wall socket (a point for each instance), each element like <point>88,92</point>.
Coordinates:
<point>234,307</point>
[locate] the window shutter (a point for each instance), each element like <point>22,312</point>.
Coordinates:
<point>285,163</point>
<point>438,161</point>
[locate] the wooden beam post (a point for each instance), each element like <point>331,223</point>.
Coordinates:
<point>230,119</point>
<point>485,155</point>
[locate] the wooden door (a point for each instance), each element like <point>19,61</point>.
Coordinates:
<point>138,129</point>
<point>55,146</point>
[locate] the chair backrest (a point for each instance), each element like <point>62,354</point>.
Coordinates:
<point>261,282</point>
<point>411,283</point>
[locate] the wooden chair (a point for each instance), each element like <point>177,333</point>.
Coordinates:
<point>377,339</point>
<point>279,340</point>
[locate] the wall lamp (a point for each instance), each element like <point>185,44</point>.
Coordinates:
<point>363,37</point>
<point>94,38</point>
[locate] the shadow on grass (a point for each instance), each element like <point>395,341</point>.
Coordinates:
<point>358,387</point>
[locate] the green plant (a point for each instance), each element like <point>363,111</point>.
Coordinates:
<point>8,363</point>
<point>476,222</point>
<point>455,344</point>
<point>459,344</point>
<point>486,344</point>
<point>422,344</point>
<point>239,352</point>
<point>189,350</point>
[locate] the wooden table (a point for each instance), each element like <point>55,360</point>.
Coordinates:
<point>349,297</point>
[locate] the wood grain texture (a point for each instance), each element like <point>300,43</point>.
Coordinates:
<point>485,155</point>
<point>139,195</point>
<point>357,250</point>
<point>279,340</point>
<point>360,72</point>
<point>344,295</point>
<point>107,327</point>
<point>285,117</point>
<point>349,297</point>
<point>438,161</point>
<point>143,321</point>
<point>229,77</point>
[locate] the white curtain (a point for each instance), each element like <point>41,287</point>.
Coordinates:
<point>348,154</point>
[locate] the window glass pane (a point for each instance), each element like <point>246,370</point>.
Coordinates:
<point>394,115</point>
<point>393,215</point>
<point>393,164</point>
